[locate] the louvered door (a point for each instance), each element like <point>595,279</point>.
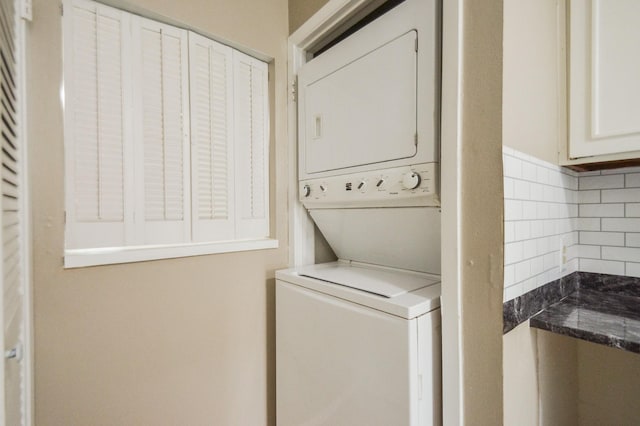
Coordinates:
<point>97,140</point>
<point>161,79</point>
<point>251,146</point>
<point>12,201</point>
<point>211,88</point>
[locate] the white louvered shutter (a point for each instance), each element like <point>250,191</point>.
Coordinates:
<point>12,387</point>
<point>211,88</point>
<point>251,120</point>
<point>96,77</point>
<point>162,140</point>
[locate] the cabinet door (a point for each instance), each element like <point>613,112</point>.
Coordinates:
<point>604,83</point>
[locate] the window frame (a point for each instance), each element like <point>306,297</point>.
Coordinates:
<point>133,226</point>
<point>79,258</point>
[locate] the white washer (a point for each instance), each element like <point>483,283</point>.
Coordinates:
<point>357,345</point>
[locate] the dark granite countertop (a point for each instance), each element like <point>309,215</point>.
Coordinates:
<point>599,311</point>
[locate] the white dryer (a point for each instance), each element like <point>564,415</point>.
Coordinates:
<point>357,345</point>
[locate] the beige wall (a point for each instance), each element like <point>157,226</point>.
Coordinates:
<point>480,211</point>
<point>186,341</point>
<point>301,10</point>
<point>558,379</point>
<point>532,118</point>
<point>608,385</point>
<point>540,378</point>
<point>520,377</point>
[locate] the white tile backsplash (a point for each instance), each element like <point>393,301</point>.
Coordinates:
<point>628,254</point>
<point>632,210</point>
<point>529,171</point>
<point>595,215</point>
<point>586,197</point>
<point>632,239</point>
<point>628,195</point>
<point>512,167</point>
<point>602,266</point>
<point>587,224</point>
<point>540,213</point>
<point>632,269</point>
<point>602,238</point>
<point>621,224</point>
<point>632,180</point>
<point>601,182</point>
<point>512,210</point>
<point>588,251</point>
<point>601,210</point>
<point>522,230</point>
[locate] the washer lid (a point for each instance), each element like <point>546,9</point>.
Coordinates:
<point>376,281</point>
<point>407,294</point>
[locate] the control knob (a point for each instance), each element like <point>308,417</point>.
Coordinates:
<point>306,191</point>
<point>411,180</point>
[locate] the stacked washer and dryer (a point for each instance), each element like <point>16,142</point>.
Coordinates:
<point>358,341</point>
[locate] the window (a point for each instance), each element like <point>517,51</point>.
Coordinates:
<point>166,140</point>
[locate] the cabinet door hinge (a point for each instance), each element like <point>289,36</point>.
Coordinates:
<point>61,9</point>
<point>415,139</point>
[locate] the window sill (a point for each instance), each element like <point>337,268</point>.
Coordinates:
<point>78,258</point>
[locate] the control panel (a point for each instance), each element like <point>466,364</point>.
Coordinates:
<point>415,185</point>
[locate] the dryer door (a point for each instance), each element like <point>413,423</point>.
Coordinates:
<point>359,107</point>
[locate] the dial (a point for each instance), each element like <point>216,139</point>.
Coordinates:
<point>306,191</point>
<point>323,187</point>
<point>361,185</point>
<point>411,180</point>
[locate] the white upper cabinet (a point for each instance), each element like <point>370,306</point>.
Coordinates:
<point>604,77</point>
